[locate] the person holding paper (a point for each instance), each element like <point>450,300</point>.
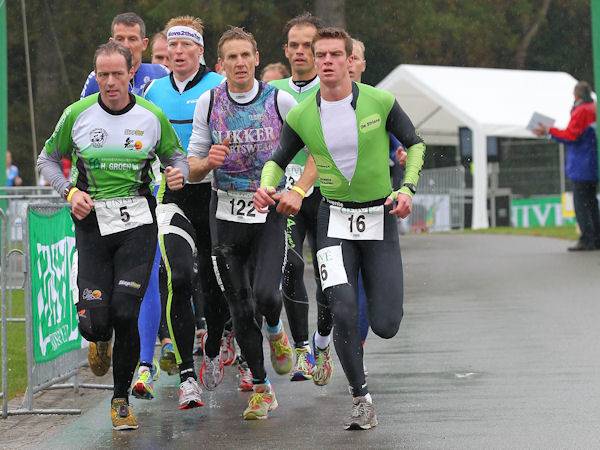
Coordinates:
<point>581,164</point>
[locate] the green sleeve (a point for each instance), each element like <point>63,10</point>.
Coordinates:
<point>61,140</point>
<point>414,163</point>
<point>271,174</point>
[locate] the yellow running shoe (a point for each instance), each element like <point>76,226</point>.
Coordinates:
<point>122,415</point>
<point>261,402</point>
<point>281,353</point>
<point>143,387</point>
<point>99,356</point>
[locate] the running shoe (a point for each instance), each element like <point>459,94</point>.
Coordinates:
<point>121,414</point>
<point>200,333</point>
<point>323,369</point>
<point>189,394</point>
<point>305,363</point>
<point>99,356</point>
<point>143,387</point>
<point>168,361</point>
<point>281,353</point>
<point>363,415</point>
<point>155,370</point>
<point>211,371</point>
<point>228,352</point>
<point>245,375</point>
<point>261,402</point>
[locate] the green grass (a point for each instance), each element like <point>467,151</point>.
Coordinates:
<point>564,232</point>
<point>17,359</point>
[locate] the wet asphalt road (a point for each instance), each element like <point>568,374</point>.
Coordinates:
<point>499,348</point>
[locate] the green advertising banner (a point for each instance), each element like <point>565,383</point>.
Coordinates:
<point>538,212</point>
<point>54,318</point>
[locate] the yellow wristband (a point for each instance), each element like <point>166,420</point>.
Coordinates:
<point>299,190</point>
<point>71,193</point>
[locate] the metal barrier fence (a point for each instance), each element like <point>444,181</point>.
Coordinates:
<point>439,204</point>
<point>40,375</point>
<point>16,200</point>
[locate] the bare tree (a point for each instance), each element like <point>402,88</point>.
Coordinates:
<point>521,54</point>
<point>333,12</point>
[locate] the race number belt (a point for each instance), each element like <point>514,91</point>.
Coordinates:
<point>293,172</point>
<point>120,214</point>
<point>356,224</point>
<point>236,206</point>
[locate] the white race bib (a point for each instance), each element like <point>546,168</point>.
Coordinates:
<point>120,214</point>
<point>356,224</point>
<point>331,266</point>
<point>235,206</point>
<point>293,172</point>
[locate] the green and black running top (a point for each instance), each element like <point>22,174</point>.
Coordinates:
<point>353,173</point>
<point>112,151</point>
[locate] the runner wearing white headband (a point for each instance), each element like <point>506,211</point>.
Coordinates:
<point>183,32</point>
<point>184,229</point>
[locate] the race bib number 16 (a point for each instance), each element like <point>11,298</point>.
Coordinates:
<point>364,224</point>
<point>331,266</point>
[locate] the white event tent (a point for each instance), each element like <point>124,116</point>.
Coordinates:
<point>491,102</point>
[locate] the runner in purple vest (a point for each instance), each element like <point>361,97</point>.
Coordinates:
<point>236,130</point>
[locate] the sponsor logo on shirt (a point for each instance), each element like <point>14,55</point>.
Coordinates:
<point>129,132</point>
<point>131,284</point>
<point>131,144</point>
<point>370,123</point>
<point>245,136</point>
<point>91,295</point>
<point>98,137</point>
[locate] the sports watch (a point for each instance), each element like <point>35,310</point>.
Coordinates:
<point>411,187</point>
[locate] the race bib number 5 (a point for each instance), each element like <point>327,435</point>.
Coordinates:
<point>356,224</point>
<point>331,266</point>
<point>120,214</point>
<point>234,206</point>
<point>293,172</point>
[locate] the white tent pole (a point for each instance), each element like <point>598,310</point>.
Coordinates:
<point>480,180</point>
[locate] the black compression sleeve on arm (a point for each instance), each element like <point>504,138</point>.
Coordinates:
<point>289,145</point>
<point>400,126</point>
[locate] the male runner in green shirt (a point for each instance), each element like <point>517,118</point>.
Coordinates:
<point>112,138</point>
<point>345,127</point>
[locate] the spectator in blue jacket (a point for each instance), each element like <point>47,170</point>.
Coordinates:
<point>581,164</point>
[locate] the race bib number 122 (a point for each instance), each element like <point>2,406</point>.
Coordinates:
<point>234,206</point>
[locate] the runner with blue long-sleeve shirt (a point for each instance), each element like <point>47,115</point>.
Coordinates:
<point>183,216</point>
